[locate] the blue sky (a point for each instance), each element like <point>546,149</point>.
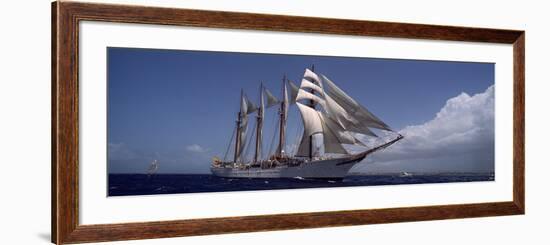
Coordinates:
<point>180,106</point>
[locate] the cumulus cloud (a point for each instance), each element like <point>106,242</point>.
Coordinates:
<point>196,148</point>
<point>462,133</point>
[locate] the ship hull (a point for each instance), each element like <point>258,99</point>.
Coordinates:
<point>336,168</point>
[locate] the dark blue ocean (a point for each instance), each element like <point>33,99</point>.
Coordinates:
<point>142,184</point>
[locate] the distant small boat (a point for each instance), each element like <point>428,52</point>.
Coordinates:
<point>405,174</point>
<point>153,167</point>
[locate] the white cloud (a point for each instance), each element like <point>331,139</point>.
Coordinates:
<point>462,129</point>
<point>120,151</point>
<point>196,148</point>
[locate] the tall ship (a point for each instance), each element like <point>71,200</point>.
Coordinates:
<point>328,146</point>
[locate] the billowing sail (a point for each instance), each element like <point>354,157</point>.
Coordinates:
<point>310,117</point>
<point>306,95</point>
<point>331,138</point>
<point>363,116</point>
<point>344,119</point>
<point>271,99</point>
<point>309,85</point>
<point>312,125</point>
<point>262,106</point>
<point>342,136</point>
<point>246,108</point>
<point>293,92</point>
<point>250,107</point>
<point>311,76</point>
<point>285,101</point>
<point>341,118</point>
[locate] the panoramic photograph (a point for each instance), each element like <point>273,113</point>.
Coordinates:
<point>184,121</point>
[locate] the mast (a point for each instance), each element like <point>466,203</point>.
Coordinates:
<point>238,135</point>
<point>282,121</point>
<point>312,105</point>
<point>259,125</point>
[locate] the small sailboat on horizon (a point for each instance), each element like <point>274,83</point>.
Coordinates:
<point>153,168</point>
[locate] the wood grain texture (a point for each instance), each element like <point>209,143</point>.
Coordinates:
<point>234,20</point>
<point>54,122</point>
<point>65,121</point>
<point>519,123</point>
<point>149,230</point>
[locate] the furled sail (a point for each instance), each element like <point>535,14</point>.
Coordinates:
<point>363,117</point>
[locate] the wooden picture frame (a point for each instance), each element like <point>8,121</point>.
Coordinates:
<point>65,121</point>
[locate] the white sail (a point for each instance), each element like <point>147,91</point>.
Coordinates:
<point>250,107</point>
<point>334,110</point>
<point>283,113</point>
<point>309,85</point>
<point>293,92</point>
<point>303,147</point>
<point>342,135</point>
<point>312,125</point>
<point>271,99</point>
<point>285,100</point>
<point>259,125</point>
<point>244,126</point>
<point>331,137</point>
<point>331,119</point>
<point>312,76</point>
<point>311,119</point>
<point>153,168</point>
<point>244,105</point>
<point>262,106</point>
<point>305,95</point>
<point>344,119</point>
<point>362,115</point>
<point>247,107</point>
<point>342,116</point>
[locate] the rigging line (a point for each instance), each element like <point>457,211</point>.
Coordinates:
<point>247,144</point>
<point>275,130</point>
<point>299,133</point>
<point>230,143</point>
<point>268,152</point>
<point>262,147</point>
<point>251,149</point>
